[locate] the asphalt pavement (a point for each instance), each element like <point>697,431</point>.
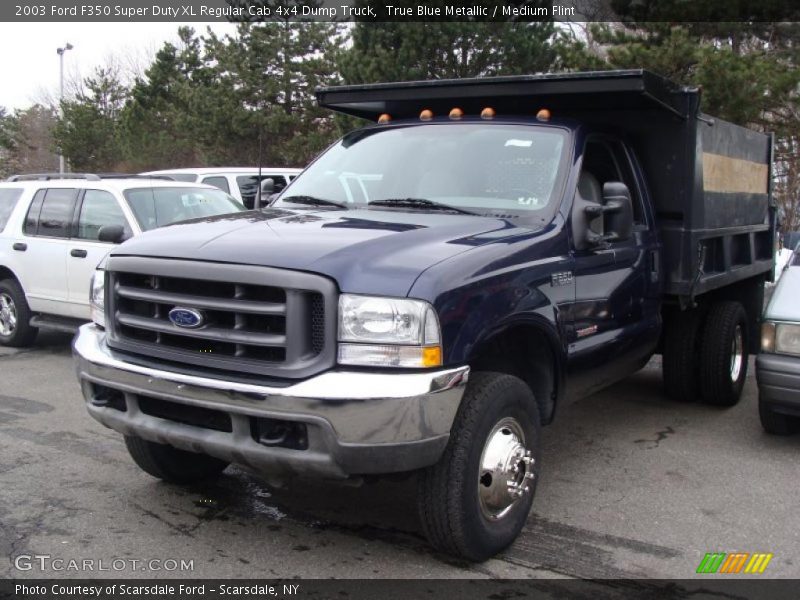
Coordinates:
<point>633,486</point>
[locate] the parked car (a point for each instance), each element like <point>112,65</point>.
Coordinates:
<point>778,365</point>
<point>432,288</point>
<point>240,182</point>
<point>54,231</point>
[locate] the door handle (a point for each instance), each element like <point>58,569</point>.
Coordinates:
<point>77,253</point>
<point>20,247</point>
<point>654,266</point>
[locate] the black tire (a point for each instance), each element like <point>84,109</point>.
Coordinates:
<point>680,364</point>
<point>776,423</point>
<point>716,351</point>
<point>448,497</point>
<point>23,334</point>
<point>171,464</point>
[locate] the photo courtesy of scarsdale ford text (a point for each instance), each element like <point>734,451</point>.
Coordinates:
<point>112,590</point>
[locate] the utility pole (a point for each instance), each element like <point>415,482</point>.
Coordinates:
<point>61,52</point>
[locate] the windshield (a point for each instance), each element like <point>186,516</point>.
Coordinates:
<point>159,206</point>
<point>488,169</point>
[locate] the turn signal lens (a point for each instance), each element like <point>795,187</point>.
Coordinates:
<point>426,115</point>
<point>406,357</point>
<point>456,113</point>
<point>432,356</point>
<point>488,113</point>
<point>384,118</point>
<point>767,337</point>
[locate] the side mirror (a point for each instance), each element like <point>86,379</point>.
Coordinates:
<point>265,190</point>
<point>587,217</point>
<point>604,220</point>
<point>618,207</point>
<point>114,234</point>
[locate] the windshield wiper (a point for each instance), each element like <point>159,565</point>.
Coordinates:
<point>313,201</point>
<point>420,203</point>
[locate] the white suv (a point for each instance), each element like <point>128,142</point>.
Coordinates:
<point>54,232</point>
<point>239,182</point>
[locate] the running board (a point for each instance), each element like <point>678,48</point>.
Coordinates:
<point>53,323</point>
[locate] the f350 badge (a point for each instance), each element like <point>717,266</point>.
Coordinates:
<point>561,278</point>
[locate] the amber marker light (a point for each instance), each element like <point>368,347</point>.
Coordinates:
<point>488,113</point>
<point>384,118</point>
<point>432,356</point>
<point>456,113</point>
<point>543,115</point>
<point>426,115</point>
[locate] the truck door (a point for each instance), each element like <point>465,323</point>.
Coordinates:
<point>616,317</point>
<point>97,208</point>
<point>43,250</point>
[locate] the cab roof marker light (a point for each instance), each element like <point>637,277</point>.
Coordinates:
<point>456,113</point>
<point>384,118</point>
<point>543,115</point>
<point>426,115</point>
<point>488,113</point>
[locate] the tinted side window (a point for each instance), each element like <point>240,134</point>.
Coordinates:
<point>629,179</point>
<point>248,186</point>
<point>32,218</point>
<point>55,217</point>
<point>609,162</point>
<point>218,182</point>
<point>8,200</point>
<point>99,209</point>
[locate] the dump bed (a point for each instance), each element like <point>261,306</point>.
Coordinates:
<point>709,180</point>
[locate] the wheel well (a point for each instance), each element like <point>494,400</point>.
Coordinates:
<point>525,352</point>
<point>6,273</point>
<point>749,293</point>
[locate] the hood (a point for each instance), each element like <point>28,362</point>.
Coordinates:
<point>365,251</point>
<point>784,305</point>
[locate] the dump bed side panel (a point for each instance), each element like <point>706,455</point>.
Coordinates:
<point>735,169</point>
<point>722,231</point>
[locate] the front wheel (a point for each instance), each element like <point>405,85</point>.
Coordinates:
<point>474,502</point>
<point>171,464</point>
<point>777,423</point>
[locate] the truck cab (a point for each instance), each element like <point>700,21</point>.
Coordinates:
<point>426,294</point>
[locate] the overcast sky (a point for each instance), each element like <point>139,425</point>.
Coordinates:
<point>29,62</point>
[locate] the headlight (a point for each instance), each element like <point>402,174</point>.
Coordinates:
<point>388,332</point>
<point>783,338</point>
<point>97,297</point>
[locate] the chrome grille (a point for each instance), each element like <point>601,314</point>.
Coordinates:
<point>258,320</point>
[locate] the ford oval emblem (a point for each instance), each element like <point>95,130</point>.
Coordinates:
<point>186,317</point>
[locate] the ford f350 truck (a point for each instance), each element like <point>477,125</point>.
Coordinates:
<point>428,292</point>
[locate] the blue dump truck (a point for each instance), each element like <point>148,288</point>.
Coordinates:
<point>427,294</point>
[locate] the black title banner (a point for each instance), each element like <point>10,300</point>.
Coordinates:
<point>181,11</point>
<point>389,589</point>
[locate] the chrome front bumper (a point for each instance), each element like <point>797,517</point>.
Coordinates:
<point>357,422</point>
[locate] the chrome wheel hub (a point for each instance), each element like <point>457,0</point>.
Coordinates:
<point>506,469</point>
<point>737,353</point>
<point>8,315</point>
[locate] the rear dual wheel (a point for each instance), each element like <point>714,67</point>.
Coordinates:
<point>706,354</point>
<point>723,354</point>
